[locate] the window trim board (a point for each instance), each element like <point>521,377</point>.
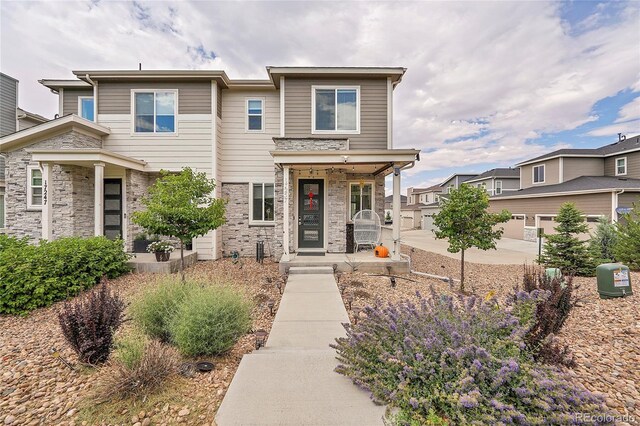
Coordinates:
<point>314,131</point>
<point>30,205</point>
<point>533,174</point>
<point>262,114</point>
<point>626,169</point>
<point>253,222</point>
<point>373,196</point>
<point>80,99</point>
<point>175,133</point>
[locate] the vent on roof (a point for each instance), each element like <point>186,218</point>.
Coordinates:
<point>621,137</point>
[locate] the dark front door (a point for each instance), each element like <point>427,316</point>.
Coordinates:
<point>311,213</point>
<point>113,208</point>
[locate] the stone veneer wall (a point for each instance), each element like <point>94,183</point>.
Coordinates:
<point>311,144</point>
<point>137,185</point>
<point>67,190</point>
<point>236,233</point>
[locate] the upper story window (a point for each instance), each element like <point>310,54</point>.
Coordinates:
<point>361,197</point>
<point>538,174</point>
<point>85,107</point>
<point>262,202</point>
<point>621,166</point>
<point>34,187</point>
<point>498,187</point>
<point>255,115</point>
<point>336,109</point>
<point>155,111</point>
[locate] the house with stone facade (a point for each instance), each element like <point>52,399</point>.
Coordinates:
<point>296,155</point>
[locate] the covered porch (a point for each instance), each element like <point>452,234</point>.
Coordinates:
<point>320,190</point>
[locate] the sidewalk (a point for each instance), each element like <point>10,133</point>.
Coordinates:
<point>291,380</point>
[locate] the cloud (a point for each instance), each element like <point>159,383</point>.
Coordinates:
<point>627,121</point>
<point>485,80</point>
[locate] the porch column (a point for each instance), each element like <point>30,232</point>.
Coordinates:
<point>47,192</point>
<point>395,253</point>
<point>98,204</point>
<point>285,212</point>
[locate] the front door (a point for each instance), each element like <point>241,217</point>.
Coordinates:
<point>113,208</point>
<point>311,213</point>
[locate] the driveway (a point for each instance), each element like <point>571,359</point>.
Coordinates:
<point>509,250</point>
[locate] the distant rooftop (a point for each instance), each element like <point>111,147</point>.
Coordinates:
<point>582,183</point>
<point>500,172</point>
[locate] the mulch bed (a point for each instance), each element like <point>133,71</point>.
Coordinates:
<point>36,388</point>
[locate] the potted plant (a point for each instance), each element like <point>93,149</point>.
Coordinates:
<point>162,249</point>
<point>141,241</point>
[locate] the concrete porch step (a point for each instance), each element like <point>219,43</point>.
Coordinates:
<point>307,270</point>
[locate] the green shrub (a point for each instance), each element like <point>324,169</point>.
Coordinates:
<point>129,349</point>
<point>627,245</point>
<point>154,308</point>
<point>603,241</point>
<point>209,321</point>
<point>33,276</point>
<point>12,242</point>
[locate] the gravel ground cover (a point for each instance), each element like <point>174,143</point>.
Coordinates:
<point>36,388</point>
<point>604,335</point>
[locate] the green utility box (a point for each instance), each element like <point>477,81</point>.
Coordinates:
<point>553,273</point>
<point>614,280</point>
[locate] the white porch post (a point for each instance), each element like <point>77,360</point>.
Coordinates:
<point>395,254</point>
<point>98,219</point>
<point>47,210</point>
<point>285,212</point>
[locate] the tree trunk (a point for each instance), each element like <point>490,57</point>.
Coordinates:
<point>462,271</point>
<point>182,261</point>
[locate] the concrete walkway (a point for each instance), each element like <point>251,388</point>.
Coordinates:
<point>291,380</point>
<point>509,251</point>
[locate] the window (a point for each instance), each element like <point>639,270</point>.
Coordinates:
<point>538,174</point>
<point>621,166</point>
<point>155,111</point>
<point>336,110</point>
<point>255,115</point>
<point>85,107</point>
<point>34,187</point>
<point>262,202</point>
<point>498,187</point>
<point>361,197</point>
<point>2,202</point>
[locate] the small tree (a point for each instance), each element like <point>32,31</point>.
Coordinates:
<point>564,249</point>
<point>465,222</point>
<point>387,217</point>
<point>602,241</point>
<point>181,205</point>
<point>627,247</point>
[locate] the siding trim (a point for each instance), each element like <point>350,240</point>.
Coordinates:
<point>389,113</point>
<point>214,155</point>
<point>60,101</point>
<point>561,172</point>
<point>282,107</point>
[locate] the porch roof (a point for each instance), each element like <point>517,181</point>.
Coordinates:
<point>86,157</point>
<point>384,159</point>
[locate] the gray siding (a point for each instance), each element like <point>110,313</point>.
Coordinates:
<point>508,183</point>
<point>633,165</point>
<point>576,167</point>
<point>551,173</point>
<point>219,101</point>
<point>194,97</point>
<point>70,100</point>
<point>626,199</point>
<point>373,110</point>
<point>8,104</point>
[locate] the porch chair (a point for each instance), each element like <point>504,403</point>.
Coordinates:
<point>366,229</point>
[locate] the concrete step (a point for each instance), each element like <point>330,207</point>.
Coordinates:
<point>308,270</point>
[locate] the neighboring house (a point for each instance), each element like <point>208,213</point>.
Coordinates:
<point>388,206</point>
<point>454,181</point>
<point>423,195</point>
<point>12,119</point>
<point>410,214</point>
<point>497,181</point>
<point>296,155</point>
<point>601,182</point>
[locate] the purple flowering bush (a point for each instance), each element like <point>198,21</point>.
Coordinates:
<point>458,361</point>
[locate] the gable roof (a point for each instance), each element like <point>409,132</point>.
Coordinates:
<point>500,172</point>
<point>395,73</point>
<point>628,145</point>
<point>432,188</point>
<point>579,184</point>
<point>389,199</point>
<point>463,177</point>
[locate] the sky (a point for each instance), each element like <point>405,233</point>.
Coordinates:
<point>488,84</point>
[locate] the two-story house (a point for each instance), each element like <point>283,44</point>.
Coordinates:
<point>12,119</point>
<point>603,181</point>
<point>497,181</point>
<point>296,155</point>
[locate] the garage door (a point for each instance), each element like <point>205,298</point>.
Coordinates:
<point>514,228</point>
<point>407,222</point>
<point>427,222</point>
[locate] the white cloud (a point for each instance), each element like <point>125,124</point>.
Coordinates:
<point>630,111</point>
<point>484,80</point>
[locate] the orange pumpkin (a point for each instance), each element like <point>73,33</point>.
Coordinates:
<point>381,251</point>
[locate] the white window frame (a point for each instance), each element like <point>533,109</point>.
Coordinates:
<point>246,115</point>
<point>373,196</point>
<point>30,205</point>
<point>314,131</point>
<point>252,221</point>
<point>625,166</point>
<point>80,99</point>
<point>154,133</point>
<point>533,174</point>
<point>496,187</point>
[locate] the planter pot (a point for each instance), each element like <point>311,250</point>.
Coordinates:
<point>140,246</point>
<point>162,256</point>
<point>188,246</point>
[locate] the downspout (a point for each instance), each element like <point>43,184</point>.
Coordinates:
<point>614,205</point>
<point>95,97</point>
